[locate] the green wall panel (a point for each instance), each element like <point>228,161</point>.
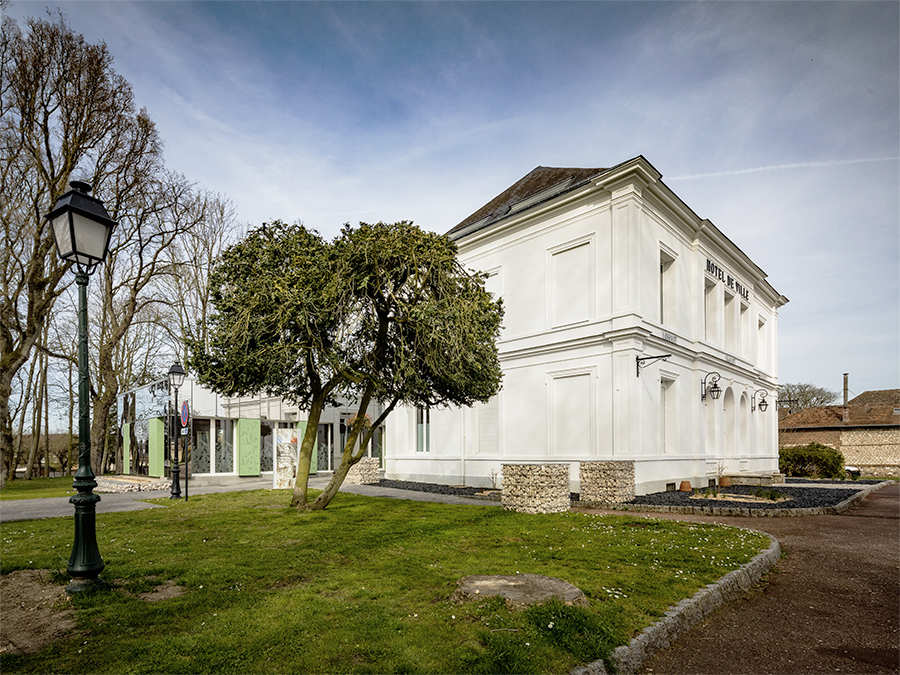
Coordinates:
<point>156,443</point>
<point>126,448</point>
<point>248,447</point>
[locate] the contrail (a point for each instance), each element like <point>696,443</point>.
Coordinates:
<point>781,167</point>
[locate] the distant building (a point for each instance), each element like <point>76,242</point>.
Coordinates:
<point>622,307</point>
<point>866,431</point>
<point>227,438</point>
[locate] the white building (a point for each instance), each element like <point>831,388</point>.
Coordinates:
<point>600,271</point>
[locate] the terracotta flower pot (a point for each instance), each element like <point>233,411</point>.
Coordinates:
<point>724,481</point>
<point>685,486</point>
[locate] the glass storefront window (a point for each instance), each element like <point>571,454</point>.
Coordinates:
<point>224,446</point>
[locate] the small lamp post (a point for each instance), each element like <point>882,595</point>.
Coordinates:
<point>82,229</point>
<point>176,379</point>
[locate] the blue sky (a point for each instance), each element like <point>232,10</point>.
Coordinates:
<point>778,121</point>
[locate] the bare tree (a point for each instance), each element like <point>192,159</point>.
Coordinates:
<point>192,261</point>
<point>63,111</point>
<point>798,396</point>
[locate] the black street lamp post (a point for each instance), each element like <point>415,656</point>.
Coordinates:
<point>176,379</point>
<point>82,229</point>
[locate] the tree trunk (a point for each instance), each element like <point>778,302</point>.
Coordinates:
<point>300,497</point>
<point>347,457</point>
<point>108,389</point>
<point>71,420</point>
<point>36,420</point>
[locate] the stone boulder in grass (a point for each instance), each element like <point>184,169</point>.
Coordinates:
<point>517,589</point>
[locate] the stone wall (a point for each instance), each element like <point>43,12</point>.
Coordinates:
<point>798,437</point>
<point>119,484</point>
<point>875,451</point>
<point>536,488</point>
<point>607,482</point>
<point>364,472</point>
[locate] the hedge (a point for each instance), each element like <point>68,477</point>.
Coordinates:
<point>811,461</point>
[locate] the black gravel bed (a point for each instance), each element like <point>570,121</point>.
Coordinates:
<point>458,491</point>
<point>830,481</point>
<point>801,498</point>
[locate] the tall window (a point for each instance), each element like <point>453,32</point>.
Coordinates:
<point>762,347</point>
<point>709,311</point>
<point>423,430</point>
<point>667,415</point>
<point>730,323</point>
<point>666,288</point>
<point>745,331</point>
<point>489,426</point>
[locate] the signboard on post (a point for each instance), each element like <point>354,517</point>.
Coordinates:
<point>185,413</point>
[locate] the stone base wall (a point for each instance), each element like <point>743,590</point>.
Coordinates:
<point>607,482</point>
<point>364,472</point>
<point>536,488</point>
<point>122,484</point>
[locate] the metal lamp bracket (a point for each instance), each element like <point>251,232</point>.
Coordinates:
<point>644,361</point>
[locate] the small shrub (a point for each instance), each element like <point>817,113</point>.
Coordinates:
<point>811,461</point>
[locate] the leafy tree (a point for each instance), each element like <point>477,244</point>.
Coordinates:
<point>383,313</point>
<point>798,396</point>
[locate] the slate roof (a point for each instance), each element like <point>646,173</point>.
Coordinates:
<point>552,181</point>
<point>889,397</point>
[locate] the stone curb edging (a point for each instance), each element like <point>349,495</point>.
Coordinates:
<point>687,614</point>
<point>741,511</point>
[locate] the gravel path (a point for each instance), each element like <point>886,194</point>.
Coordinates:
<point>831,605</point>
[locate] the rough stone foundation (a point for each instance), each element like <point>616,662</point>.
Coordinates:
<point>536,488</point>
<point>119,484</point>
<point>607,482</point>
<point>364,472</point>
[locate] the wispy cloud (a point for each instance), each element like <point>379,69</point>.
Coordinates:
<point>784,167</point>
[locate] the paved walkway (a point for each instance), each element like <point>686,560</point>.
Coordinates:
<point>831,605</point>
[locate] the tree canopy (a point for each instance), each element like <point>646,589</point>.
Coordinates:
<point>383,313</point>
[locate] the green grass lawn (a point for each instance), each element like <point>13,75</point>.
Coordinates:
<point>37,488</point>
<point>362,587</point>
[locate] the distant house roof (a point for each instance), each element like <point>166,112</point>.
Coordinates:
<point>541,184</point>
<point>889,397</point>
<point>832,416</point>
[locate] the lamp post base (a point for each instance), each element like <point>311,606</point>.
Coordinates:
<point>78,586</point>
<point>176,483</point>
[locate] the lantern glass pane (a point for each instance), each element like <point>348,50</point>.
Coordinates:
<point>90,239</point>
<point>62,234</point>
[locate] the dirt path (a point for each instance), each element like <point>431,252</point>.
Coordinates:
<point>831,605</point>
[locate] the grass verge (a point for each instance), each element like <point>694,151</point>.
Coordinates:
<point>37,488</point>
<point>362,586</point>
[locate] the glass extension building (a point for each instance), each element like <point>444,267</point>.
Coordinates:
<point>225,438</point>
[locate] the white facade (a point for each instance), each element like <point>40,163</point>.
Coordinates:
<point>596,272</point>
